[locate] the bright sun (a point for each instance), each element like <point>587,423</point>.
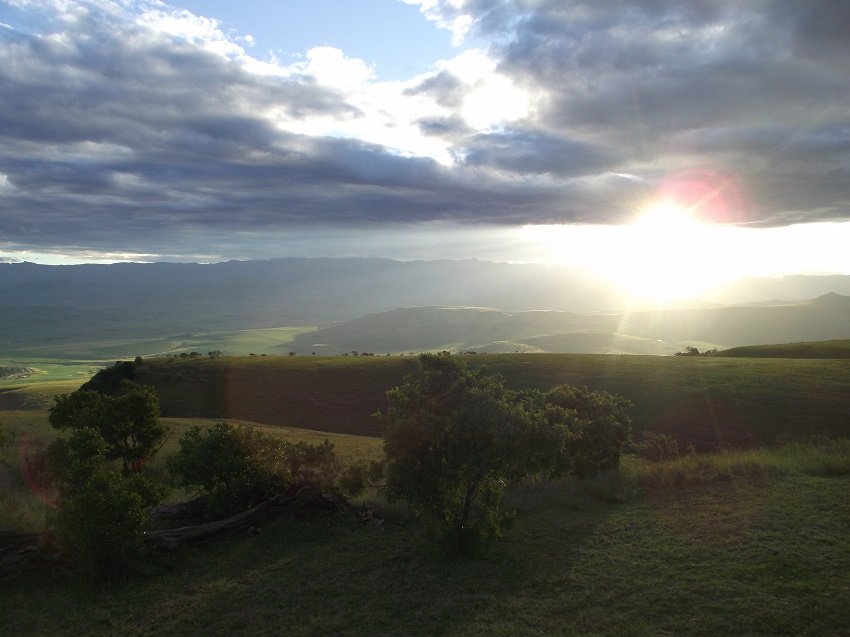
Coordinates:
<point>662,255</point>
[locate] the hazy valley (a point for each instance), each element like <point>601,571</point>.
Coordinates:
<point>335,306</point>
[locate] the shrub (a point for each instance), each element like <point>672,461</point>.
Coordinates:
<point>128,422</point>
<point>593,428</point>
<point>358,476</point>
<point>102,514</point>
<point>237,467</point>
<point>657,447</point>
<point>450,440</point>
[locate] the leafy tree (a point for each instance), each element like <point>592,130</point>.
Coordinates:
<point>101,513</point>
<point>454,437</point>
<point>129,422</point>
<point>450,440</point>
<point>237,467</point>
<point>593,428</point>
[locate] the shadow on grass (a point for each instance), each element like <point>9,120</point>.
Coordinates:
<point>759,555</point>
<point>321,577</point>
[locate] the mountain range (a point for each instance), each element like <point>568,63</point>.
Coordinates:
<point>383,305</point>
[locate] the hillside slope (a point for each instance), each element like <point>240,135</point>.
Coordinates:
<point>710,402</point>
<point>44,309</point>
<point>663,331</point>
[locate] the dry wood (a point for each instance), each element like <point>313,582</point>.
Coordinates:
<point>22,551</point>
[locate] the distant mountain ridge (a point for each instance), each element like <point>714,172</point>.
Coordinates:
<point>42,304</point>
<point>661,332</point>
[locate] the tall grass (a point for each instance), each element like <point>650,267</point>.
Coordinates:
<point>822,458</point>
<point>25,504</point>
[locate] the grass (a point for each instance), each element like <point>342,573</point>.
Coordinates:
<point>819,349</point>
<point>745,542</point>
<point>104,351</point>
<point>757,553</point>
<point>710,402</point>
<point>24,507</point>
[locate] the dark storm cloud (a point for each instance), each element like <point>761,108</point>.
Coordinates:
<point>534,152</point>
<point>112,129</point>
<point>759,90</point>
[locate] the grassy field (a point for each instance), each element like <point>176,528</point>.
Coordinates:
<point>743,542</point>
<point>707,401</point>
<point>753,543</point>
<point>821,349</point>
<point>79,360</point>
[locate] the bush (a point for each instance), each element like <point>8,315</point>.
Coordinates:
<point>657,447</point>
<point>102,514</point>
<point>235,468</point>
<point>593,428</point>
<point>128,422</point>
<point>359,476</point>
<point>450,440</point>
<point>109,380</point>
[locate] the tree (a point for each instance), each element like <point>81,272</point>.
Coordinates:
<point>236,467</point>
<point>593,426</point>
<point>128,422</point>
<point>450,440</point>
<point>453,438</point>
<point>101,513</point>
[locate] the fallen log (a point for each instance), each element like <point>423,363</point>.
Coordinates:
<point>307,499</point>
<point>22,551</point>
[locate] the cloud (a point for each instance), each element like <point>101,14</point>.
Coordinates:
<point>125,125</point>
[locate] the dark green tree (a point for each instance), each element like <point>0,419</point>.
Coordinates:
<point>102,513</point>
<point>236,467</point>
<point>129,422</point>
<point>453,438</point>
<point>593,428</point>
<point>450,439</point>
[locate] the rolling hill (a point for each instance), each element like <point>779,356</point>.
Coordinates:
<point>710,402</point>
<point>663,331</point>
<point>66,311</point>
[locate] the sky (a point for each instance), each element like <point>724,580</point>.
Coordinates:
<point>668,144</point>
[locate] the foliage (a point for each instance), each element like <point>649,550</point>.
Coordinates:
<point>356,477</point>
<point>237,467</point>
<point>455,437</point>
<point>450,440</point>
<point>693,351</point>
<point>129,422</point>
<point>594,428</point>
<point>102,513</point>
<point>657,447</point>
<point>110,379</point>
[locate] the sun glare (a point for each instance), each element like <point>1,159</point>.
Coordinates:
<point>662,255</point>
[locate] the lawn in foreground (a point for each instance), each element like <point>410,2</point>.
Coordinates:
<point>763,554</point>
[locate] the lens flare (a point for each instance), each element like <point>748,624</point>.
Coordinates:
<point>709,196</point>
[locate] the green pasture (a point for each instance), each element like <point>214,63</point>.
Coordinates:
<point>820,349</point>
<point>708,401</point>
<point>748,541</point>
<point>74,360</point>
<point>751,544</point>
